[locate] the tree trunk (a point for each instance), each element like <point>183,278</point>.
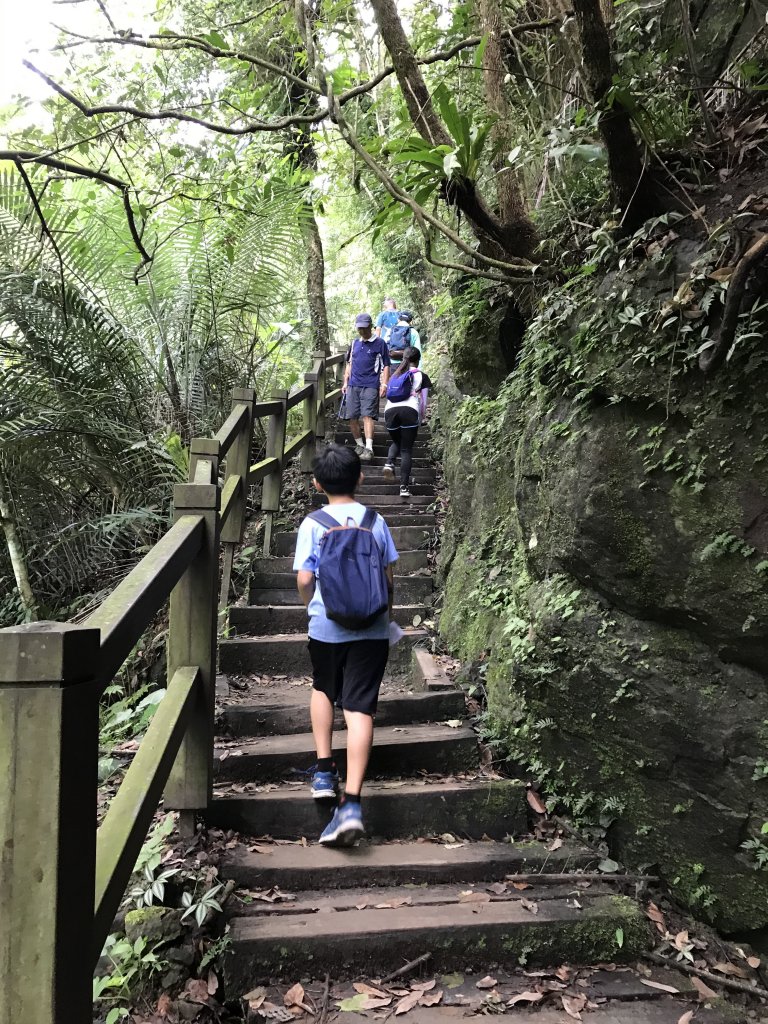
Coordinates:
<point>511,203</point>
<point>315,280</point>
<point>16,551</point>
<point>630,183</point>
<point>512,241</point>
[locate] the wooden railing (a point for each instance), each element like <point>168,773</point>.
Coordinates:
<point>61,878</point>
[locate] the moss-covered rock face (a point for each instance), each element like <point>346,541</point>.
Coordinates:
<point>605,559</point>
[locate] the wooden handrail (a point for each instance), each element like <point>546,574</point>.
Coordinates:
<point>269,408</point>
<point>230,492</point>
<point>227,433</point>
<point>130,813</point>
<point>297,444</point>
<point>261,469</point>
<point>132,605</point>
<point>299,396</point>
<point>335,360</point>
<point>332,397</point>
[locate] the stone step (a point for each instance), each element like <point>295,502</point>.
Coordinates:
<point>374,473</point>
<point>414,535</point>
<point>287,654</point>
<point>393,810</point>
<point>396,750</point>
<point>315,867</point>
<point>459,935</point>
<point>407,588</point>
<point>382,499</point>
<point>651,1010</point>
<point>409,561</point>
<point>282,591</point>
<point>273,712</point>
<point>370,490</point>
<point>254,620</point>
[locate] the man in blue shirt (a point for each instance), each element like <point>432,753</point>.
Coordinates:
<point>387,319</point>
<point>365,379</point>
<point>347,664</point>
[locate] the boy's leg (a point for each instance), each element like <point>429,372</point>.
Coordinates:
<point>359,743</point>
<point>321,713</point>
<point>327,676</point>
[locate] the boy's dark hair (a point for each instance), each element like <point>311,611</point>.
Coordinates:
<point>411,357</point>
<point>337,469</point>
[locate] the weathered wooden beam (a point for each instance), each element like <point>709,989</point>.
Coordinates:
<point>237,466</point>
<point>298,397</point>
<point>333,398</point>
<point>132,605</point>
<point>49,736</point>
<point>319,365</point>
<point>260,470</point>
<point>230,494</point>
<point>192,641</point>
<point>268,408</point>
<point>299,442</point>
<point>336,360</point>
<point>130,813</point>
<point>227,433</point>
<point>310,422</point>
<point>205,449</point>
<point>273,483</point>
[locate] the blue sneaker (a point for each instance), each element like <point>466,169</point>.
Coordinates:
<point>325,785</point>
<point>345,827</point>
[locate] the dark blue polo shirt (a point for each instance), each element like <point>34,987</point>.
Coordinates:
<point>368,360</point>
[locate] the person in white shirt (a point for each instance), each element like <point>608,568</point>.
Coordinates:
<point>404,411</point>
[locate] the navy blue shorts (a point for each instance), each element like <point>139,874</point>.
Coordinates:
<point>362,402</point>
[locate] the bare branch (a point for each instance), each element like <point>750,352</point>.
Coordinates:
<point>176,115</point>
<point>46,231</point>
<point>20,157</point>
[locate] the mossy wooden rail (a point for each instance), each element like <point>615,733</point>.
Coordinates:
<point>61,878</point>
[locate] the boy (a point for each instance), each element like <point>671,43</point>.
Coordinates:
<point>387,319</point>
<point>402,336</point>
<point>365,380</point>
<point>347,664</point>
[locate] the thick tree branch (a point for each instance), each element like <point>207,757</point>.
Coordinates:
<point>20,157</point>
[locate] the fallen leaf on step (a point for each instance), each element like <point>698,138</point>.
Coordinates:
<point>453,723</point>
<point>658,985</point>
<point>353,1004</point>
<point>294,996</point>
<point>563,973</point>
<point>705,992</point>
<point>722,274</point>
<point>361,906</point>
<point>423,986</point>
<point>416,620</point>
<point>452,846</point>
<point>407,1003</point>
<point>406,901</point>
<point>731,969</point>
<point>369,990</point>
<point>573,1005</point>
<point>376,1004</point>
<point>754,962</point>
<point>255,997</point>
<point>498,888</point>
<point>486,982</point>
<point>653,912</point>
<point>529,905</point>
<point>681,941</point>
<point>196,990</point>
<point>260,849</point>
<point>535,801</point>
<point>431,998</point>
<point>520,886</point>
<point>686,1018</point>
<point>213,983</point>
<point>526,997</point>
<point>474,897</point>
<point>555,844</point>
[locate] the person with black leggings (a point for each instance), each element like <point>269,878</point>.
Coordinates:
<point>402,415</point>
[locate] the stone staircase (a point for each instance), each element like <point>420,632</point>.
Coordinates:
<point>447,838</point>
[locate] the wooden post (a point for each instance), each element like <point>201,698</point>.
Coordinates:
<point>272,486</point>
<point>238,463</point>
<point>192,642</point>
<point>204,448</point>
<point>49,747</point>
<point>319,369</point>
<point>310,422</point>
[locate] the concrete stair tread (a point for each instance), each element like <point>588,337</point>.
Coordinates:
<point>269,710</point>
<point>266,620</point>
<point>299,744</point>
<point>458,935</point>
<point>649,1011</point>
<point>284,563</point>
<point>382,865</point>
<point>472,806</point>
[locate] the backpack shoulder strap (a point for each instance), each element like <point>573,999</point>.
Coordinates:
<point>323,518</point>
<point>369,519</point>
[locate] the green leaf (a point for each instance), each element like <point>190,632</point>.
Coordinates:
<point>608,866</point>
<point>478,61</point>
<point>452,980</point>
<point>216,39</point>
<point>354,1004</point>
<point>620,937</point>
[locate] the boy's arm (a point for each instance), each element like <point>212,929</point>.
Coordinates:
<point>305,583</point>
<point>391,589</point>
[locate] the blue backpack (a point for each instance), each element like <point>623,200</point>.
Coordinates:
<point>351,571</point>
<point>399,338</point>
<point>400,386</point>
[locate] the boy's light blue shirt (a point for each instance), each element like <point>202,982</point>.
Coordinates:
<point>307,551</point>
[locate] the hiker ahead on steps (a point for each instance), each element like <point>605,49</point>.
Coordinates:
<point>365,381</point>
<point>402,336</point>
